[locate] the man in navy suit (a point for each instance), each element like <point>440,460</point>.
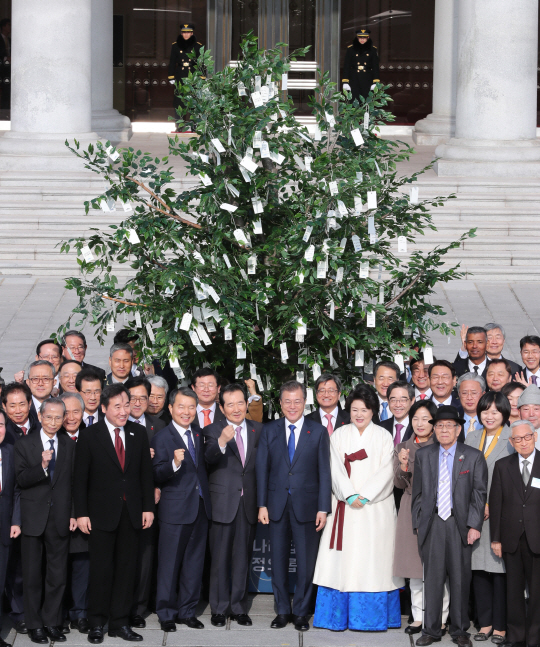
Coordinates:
<point>294,490</point>
<point>329,414</point>
<point>184,511</point>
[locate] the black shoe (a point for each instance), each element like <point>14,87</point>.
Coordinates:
<point>301,623</point>
<point>242,619</point>
<point>483,637</point>
<point>192,623</point>
<point>20,627</point>
<point>95,635</point>
<point>65,627</point>
<point>81,624</point>
<point>280,621</point>
<point>426,640</point>
<point>218,619</point>
<point>168,625</point>
<point>56,634</point>
<point>412,629</point>
<point>497,639</point>
<point>126,633</point>
<point>462,640</point>
<point>38,636</point>
<point>138,621</point>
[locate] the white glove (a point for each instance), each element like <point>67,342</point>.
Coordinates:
<point>172,81</point>
<point>373,87</point>
<point>346,87</point>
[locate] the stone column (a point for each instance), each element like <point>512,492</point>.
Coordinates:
<point>106,121</point>
<point>439,126</point>
<point>50,96</point>
<point>496,92</point>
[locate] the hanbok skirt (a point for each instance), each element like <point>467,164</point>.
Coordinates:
<point>338,611</point>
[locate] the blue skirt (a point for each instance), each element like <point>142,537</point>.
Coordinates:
<point>338,611</point>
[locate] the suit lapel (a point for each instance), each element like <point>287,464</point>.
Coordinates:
<point>130,441</point>
<point>435,469</point>
<point>5,467</point>
<point>456,468</point>
<point>515,473</point>
<point>303,439</point>
<point>106,440</point>
<point>251,437</point>
<point>282,431</point>
<point>535,473</point>
<point>60,456</point>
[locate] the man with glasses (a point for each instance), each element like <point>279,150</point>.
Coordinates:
<point>330,414</point>
<point>471,388</point>
<point>68,376</point>
<point>294,488</point>
<point>514,523</point>
<point>74,347</point>
<point>50,351</point>
<point>530,354</point>
<point>383,375</point>
<point>400,400</point>
<point>89,386</point>
<point>420,378</point>
<point>448,503</point>
<point>40,382</point>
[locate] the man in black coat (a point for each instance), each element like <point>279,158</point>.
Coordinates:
<point>10,508</point>
<point>361,68</point>
<point>448,503</point>
<point>329,413</point>
<point>43,468</point>
<point>230,453</point>
<point>17,401</point>
<point>181,64</point>
<point>114,499</point>
<point>514,523</point>
<point>477,360</point>
<point>74,347</point>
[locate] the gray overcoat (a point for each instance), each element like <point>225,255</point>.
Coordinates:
<point>483,558</point>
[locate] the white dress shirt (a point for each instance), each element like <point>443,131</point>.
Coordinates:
<point>200,414</point>
<point>528,374</point>
<point>529,458</point>
<point>243,433</point>
<point>298,428</point>
<point>141,420</point>
<point>447,402</point>
<point>46,442</point>
<point>481,367</point>
<point>183,434</point>
<point>25,424</point>
<point>417,394</point>
<point>75,435</point>
<point>37,403</point>
<point>111,429</point>
<point>86,414</point>
<point>324,419</point>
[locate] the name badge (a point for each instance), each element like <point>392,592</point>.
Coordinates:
<point>535,482</point>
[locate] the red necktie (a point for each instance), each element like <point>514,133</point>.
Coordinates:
<point>422,396</point>
<point>397,438</point>
<point>24,430</point>
<point>119,447</point>
<point>207,421</point>
<point>74,438</point>
<point>329,426</point>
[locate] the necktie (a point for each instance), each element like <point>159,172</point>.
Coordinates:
<point>329,426</point>
<point>290,445</point>
<point>422,396</point>
<point>444,489</point>
<point>439,404</point>
<point>73,437</point>
<point>52,462</point>
<point>119,448</point>
<point>191,446</point>
<point>24,430</point>
<point>240,444</point>
<point>525,474</point>
<point>207,421</point>
<point>534,380</point>
<point>397,438</point>
<point>471,425</point>
<point>384,414</point>
<point>90,420</point>
<point>475,369</point>
<point>137,421</point>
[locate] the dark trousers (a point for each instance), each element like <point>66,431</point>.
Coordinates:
<point>231,546</point>
<point>145,561</point>
<point>113,566</point>
<point>306,542</point>
<point>523,567</point>
<point>490,597</point>
<point>181,549</point>
<point>4,559</point>
<point>48,614</point>
<point>444,555</point>
<point>14,582</point>
<point>80,574</point>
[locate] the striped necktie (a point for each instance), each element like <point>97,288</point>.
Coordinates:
<point>444,504</point>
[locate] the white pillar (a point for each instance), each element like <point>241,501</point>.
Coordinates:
<point>106,121</point>
<point>50,96</point>
<point>496,92</point>
<point>439,126</point>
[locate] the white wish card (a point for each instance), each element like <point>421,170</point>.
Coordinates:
<point>87,254</point>
<point>228,207</point>
<point>257,226</point>
<point>357,137</point>
<point>333,186</point>
<point>402,244</point>
<point>218,145</point>
<point>398,359</point>
<point>356,243</point>
<point>186,321</point>
<point>414,195</point>
<point>240,350</point>
<point>257,138</point>
<point>284,80</point>
<point>372,199</point>
<point>307,234</point>
<point>428,355</point>
<point>257,99</point>
<point>370,319</point>
<point>359,358</point>
<point>205,179</point>
<point>310,252</point>
<point>265,150</point>
<point>330,119</point>
<point>249,164</point>
<point>284,353</point>
<point>132,236</point>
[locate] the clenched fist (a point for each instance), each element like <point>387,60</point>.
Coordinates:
<point>46,458</point>
<point>226,435</point>
<point>178,456</point>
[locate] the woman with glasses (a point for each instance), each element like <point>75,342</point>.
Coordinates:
<point>357,589</point>
<point>489,579</point>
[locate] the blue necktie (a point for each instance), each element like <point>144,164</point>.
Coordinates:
<point>290,444</point>
<point>52,462</point>
<point>90,420</point>
<point>384,414</point>
<point>191,446</point>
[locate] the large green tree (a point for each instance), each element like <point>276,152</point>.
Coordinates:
<point>289,253</point>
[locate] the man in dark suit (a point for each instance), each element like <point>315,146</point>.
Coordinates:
<point>89,385</point>
<point>40,381</point>
<point>477,360</point>
<point>384,374</point>
<point>139,394</point>
<point>17,401</point>
<point>329,413</point>
<point>121,363</point>
<point>43,468</point>
<point>74,347</point>
<point>400,400</point>
<point>184,512</point>
<point>514,523</point>
<point>206,384</point>
<point>448,504</point>
<point>230,453</point>
<point>294,489</point>
<point>158,405</point>
<point>443,380</point>
<point>114,499</point>
<point>496,338</point>
<point>10,509</point>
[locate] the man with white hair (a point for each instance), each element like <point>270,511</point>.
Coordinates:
<point>471,387</point>
<point>496,338</point>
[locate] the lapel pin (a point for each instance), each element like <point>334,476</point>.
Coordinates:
<point>131,433</point>
<point>308,431</point>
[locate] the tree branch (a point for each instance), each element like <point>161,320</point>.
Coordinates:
<point>404,291</point>
<point>128,303</point>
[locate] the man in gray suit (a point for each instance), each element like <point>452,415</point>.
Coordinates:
<point>448,502</point>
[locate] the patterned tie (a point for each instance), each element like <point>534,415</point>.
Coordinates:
<point>475,369</point>
<point>191,446</point>
<point>471,425</point>
<point>290,445</point>
<point>443,504</point>
<point>24,430</point>
<point>534,380</point>
<point>329,426</point>
<point>240,444</point>
<point>90,420</point>
<point>397,438</point>
<point>525,474</point>
<point>422,396</point>
<point>384,414</point>
<point>52,462</point>
<point>119,448</point>
<point>207,421</point>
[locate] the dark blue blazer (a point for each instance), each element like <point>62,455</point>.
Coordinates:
<point>179,503</point>
<point>308,477</point>
<point>10,507</point>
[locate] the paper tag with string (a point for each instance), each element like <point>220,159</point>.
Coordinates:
<point>372,199</point>
<point>359,358</point>
<point>370,319</point>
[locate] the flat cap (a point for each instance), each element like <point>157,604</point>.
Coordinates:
<point>531,395</point>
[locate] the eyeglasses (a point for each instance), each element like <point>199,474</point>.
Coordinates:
<point>522,439</point>
<point>290,403</point>
<point>449,427</point>
<point>50,358</point>
<point>140,399</point>
<point>96,392</point>
<point>530,353</point>
<point>157,398</point>
<point>53,418</point>
<point>37,380</point>
<point>441,378</point>
<point>76,349</point>
<point>327,391</point>
<point>398,400</point>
